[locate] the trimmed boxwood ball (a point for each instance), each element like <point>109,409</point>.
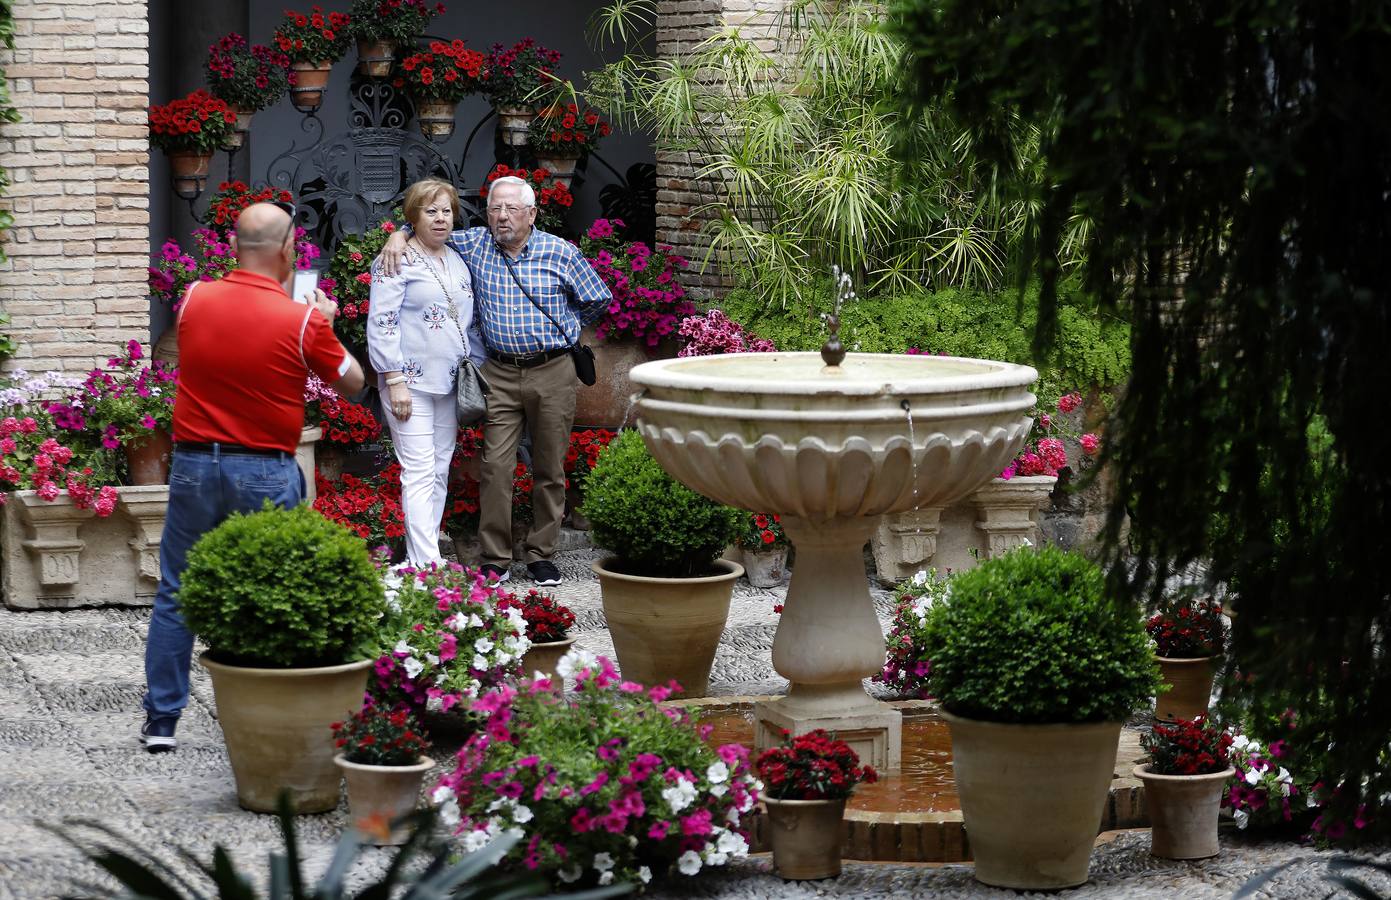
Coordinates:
<point>654,524</point>
<point>1034,638</point>
<point>282,588</point>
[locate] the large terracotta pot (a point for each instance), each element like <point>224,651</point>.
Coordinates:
<point>307,93</point>
<point>1183,812</point>
<point>436,118</point>
<point>665,628</point>
<point>513,122</point>
<point>608,402</point>
<point>806,837</point>
<point>543,656</point>
<point>276,725</point>
<point>382,792</point>
<point>190,172</point>
<point>1190,690</point>
<point>1032,797</point>
<point>148,458</point>
<point>374,58</point>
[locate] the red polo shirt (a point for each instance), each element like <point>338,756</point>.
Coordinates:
<point>245,352</point>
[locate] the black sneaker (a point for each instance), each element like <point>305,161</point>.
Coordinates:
<point>158,734</point>
<point>495,574</point>
<point>544,573</point>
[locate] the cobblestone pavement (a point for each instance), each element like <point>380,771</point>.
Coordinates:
<point>70,688</point>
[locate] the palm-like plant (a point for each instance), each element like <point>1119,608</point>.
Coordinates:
<point>808,161</point>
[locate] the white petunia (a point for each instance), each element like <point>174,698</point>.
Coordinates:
<point>1240,742</point>
<point>603,861</point>
<point>474,621</point>
<point>456,622</point>
<point>441,794</point>
<point>920,578</point>
<point>717,773</point>
<point>483,645</point>
<point>434,704</point>
<point>731,843</point>
<point>522,814</point>
<point>731,815</point>
<point>570,874</point>
<point>502,659</point>
<point>718,790</point>
<point>644,874</point>
<point>413,666</point>
<point>449,812</point>
<point>432,659</point>
<point>716,859</point>
<point>479,663</point>
<point>402,647</point>
<point>689,863</point>
<point>475,841</point>
<point>1242,817</point>
<point>1252,776</point>
<point>679,795</point>
<point>606,878</point>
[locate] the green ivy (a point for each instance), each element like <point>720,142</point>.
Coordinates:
<point>282,588</point>
<point>652,522</point>
<point>7,114</point>
<point>1037,638</point>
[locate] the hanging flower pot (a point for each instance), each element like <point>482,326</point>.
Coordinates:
<point>190,172</point>
<point>561,135</point>
<point>436,118</point>
<point>512,122</point>
<point>307,93</point>
<point>247,78</point>
<point>374,57</point>
<point>562,168</point>
<point>1190,688</point>
<point>236,138</point>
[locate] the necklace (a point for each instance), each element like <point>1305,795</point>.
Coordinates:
<point>442,260</point>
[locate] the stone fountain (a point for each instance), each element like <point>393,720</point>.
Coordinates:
<point>832,442</point>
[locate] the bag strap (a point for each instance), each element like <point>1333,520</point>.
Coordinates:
<point>512,267</point>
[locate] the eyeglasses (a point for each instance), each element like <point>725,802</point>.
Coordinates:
<point>507,210</point>
<point>289,209</point>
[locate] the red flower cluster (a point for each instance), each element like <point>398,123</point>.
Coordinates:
<point>812,766</point>
<point>584,452</point>
<point>402,21</point>
<point>197,123</point>
<point>762,532</point>
<point>512,76</point>
<point>349,281</point>
<point>348,423</point>
<point>251,78</point>
<point>368,507</point>
<point>1187,747</point>
<point>553,199</point>
<point>318,37</point>
<point>566,131</point>
<point>375,736</point>
<point>444,72</point>
<point>1188,630</point>
<point>461,504</point>
<point>234,196</point>
<point>546,619</point>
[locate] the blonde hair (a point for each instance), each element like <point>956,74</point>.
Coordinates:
<point>419,195</point>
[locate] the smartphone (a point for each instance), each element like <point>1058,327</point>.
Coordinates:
<point>306,280</point>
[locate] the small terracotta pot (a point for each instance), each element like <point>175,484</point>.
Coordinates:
<point>236,138</point>
<point>190,172</point>
<point>307,93</point>
<point>512,122</point>
<point>1190,689</point>
<point>765,568</point>
<point>436,118</point>
<point>384,793</point>
<point>806,837</point>
<point>562,168</point>
<point>1183,812</point>
<point>374,58</point>
<point>543,656</point>
<point>148,459</point>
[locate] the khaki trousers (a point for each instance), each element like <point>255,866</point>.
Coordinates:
<point>544,398</point>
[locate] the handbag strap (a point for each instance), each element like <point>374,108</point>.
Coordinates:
<point>453,310</point>
<point>512,267</point>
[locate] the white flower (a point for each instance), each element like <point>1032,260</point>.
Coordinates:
<point>456,622</point>
<point>717,773</point>
<point>480,663</point>
<point>1242,817</point>
<point>449,812</point>
<point>644,874</point>
<point>606,878</point>
<point>920,578</point>
<point>434,704</point>
<point>432,659</point>
<point>689,863</point>
<point>716,859</point>
<point>402,647</point>
<point>501,658</point>
<point>501,803</point>
<point>522,814</point>
<point>603,861</point>
<point>718,790</point>
<point>441,794</point>
<point>510,644</point>
<point>679,795</point>
<point>732,844</point>
<point>413,666</point>
<point>1252,776</point>
<point>475,840</point>
<point>483,645</point>
<point>731,815</point>
<point>474,621</point>
<point>574,661</point>
<point>632,841</point>
<point>570,874</point>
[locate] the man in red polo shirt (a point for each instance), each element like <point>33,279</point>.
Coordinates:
<point>245,351</point>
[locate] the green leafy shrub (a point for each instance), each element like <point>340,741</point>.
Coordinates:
<point>282,588</point>
<point>1037,638</point>
<point>652,522</point>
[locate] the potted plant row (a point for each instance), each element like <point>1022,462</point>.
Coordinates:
<point>1036,666</point>
<point>665,588</point>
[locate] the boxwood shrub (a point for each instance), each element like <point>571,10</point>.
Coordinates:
<point>282,588</point>
<point>1036,638</point>
<point>653,523</point>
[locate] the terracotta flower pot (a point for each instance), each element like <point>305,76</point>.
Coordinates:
<point>382,794</point>
<point>374,58</point>
<point>436,118</point>
<point>1032,797</point>
<point>665,628</point>
<point>1183,812</point>
<point>148,458</point>
<point>543,656</point>
<point>307,93</point>
<point>765,568</point>
<point>806,837</point>
<point>189,169</point>
<point>236,138</point>
<point>1190,689</point>
<point>562,168</point>
<point>608,402</point>
<point>276,725</point>
<point>512,122</point>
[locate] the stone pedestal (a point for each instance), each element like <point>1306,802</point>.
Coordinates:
<point>56,556</point>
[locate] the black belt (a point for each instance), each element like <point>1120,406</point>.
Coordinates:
<point>527,360</point>
<point>237,449</point>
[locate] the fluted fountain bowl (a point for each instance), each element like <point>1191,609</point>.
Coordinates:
<point>783,433</point>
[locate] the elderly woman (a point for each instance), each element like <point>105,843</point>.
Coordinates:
<point>418,331</point>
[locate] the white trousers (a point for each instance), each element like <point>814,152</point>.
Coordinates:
<point>424,447</point>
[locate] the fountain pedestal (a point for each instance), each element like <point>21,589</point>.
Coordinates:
<point>828,641</point>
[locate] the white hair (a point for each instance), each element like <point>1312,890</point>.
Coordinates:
<point>528,192</point>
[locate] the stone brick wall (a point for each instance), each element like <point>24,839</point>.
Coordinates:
<point>74,284</point>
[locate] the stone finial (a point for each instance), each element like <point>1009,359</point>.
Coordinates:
<point>832,352</point>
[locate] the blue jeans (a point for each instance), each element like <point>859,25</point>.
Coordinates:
<point>205,487</point>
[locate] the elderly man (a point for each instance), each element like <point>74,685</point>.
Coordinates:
<point>237,421</point>
<point>533,291</point>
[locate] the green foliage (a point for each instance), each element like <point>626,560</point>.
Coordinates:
<point>7,114</point>
<point>426,867</point>
<point>1038,638</point>
<point>282,588</point>
<point>652,522</point>
<point>7,343</point>
<point>1092,348</point>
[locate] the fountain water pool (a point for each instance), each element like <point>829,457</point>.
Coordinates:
<point>829,448</point>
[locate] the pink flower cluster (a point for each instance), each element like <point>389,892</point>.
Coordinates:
<point>715,333</point>
<point>1045,453</point>
<point>29,460</point>
<point>175,269</point>
<point>648,299</point>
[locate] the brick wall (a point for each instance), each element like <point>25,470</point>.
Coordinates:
<point>681,25</point>
<point>74,284</point>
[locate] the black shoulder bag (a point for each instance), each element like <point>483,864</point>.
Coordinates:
<point>580,354</point>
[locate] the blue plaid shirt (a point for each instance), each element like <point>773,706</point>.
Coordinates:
<point>555,272</point>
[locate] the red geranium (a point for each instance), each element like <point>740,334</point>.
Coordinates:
<point>317,37</point>
<point>377,736</point>
<point>347,423</point>
<point>1186,629</point>
<point>553,199</point>
<point>401,21</point>
<point>812,766</point>
<point>564,131</point>
<point>252,78</point>
<point>1187,747</point>
<point>234,196</point>
<point>443,72</point>
<point>369,507</point>
<point>512,77</point>
<point>196,123</point>
<point>546,619</point>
